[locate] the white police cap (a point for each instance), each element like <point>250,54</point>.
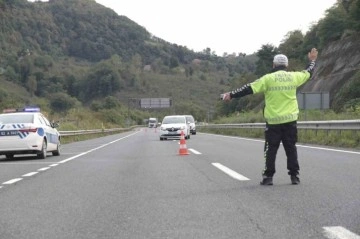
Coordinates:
<point>280,60</point>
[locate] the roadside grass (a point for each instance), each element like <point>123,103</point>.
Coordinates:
<point>81,119</point>
<point>335,138</point>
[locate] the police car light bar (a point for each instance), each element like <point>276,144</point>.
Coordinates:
<point>9,110</point>
<point>31,109</point>
<point>26,109</point>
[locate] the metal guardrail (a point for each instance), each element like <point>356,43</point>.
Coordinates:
<point>65,133</point>
<point>311,125</point>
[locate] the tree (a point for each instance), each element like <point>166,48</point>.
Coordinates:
<point>101,82</point>
<point>311,40</point>
<point>173,62</point>
<point>111,102</point>
<point>266,55</point>
<point>10,73</point>
<point>61,102</point>
<point>43,61</point>
<point>25,69</point>
<point>291,45</point>
<point>32,85</point>
<point>333,25</point>
<point>12,2</point>
<point>354,13</point>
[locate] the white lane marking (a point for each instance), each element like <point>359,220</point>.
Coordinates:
<point>326,149</point>
<point>30,174</point>
<point>298,145</point>
<point>54,165</point>
<point>230,172</point>
<point>234,137</point>
<point>339,233</point>
<point>74,157</point>
<point>70,153</point>
<point>12,181</point>
<point>194,151</point>
<point>64,161</point>
<point>43,169</point>
<point>24,163</point>
<point>91,150</point>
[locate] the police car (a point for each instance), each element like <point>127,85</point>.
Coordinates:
<point>27,131</point>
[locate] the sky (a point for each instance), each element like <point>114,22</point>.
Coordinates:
<point>227,26</point>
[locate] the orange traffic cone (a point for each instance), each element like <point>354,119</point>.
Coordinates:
<point>183,149</point>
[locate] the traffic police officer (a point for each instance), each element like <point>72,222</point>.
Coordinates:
<point>280,112</point>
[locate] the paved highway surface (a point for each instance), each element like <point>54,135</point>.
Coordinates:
<point>132,185</point>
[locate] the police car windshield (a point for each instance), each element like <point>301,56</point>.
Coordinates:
<point>16,118</point>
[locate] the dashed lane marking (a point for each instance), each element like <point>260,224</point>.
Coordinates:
<point>194,151</point>
<point>339,233</point>
<point>230,172</point>
<point>43,169</point>
<point>30,174</point>
<point>94,149</point>
<point>12,181</point>
<point>24,163</point>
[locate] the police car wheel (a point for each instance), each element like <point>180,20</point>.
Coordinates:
<point>57,151</point>
<point>42,154</point>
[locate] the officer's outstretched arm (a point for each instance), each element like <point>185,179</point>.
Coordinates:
<point>312,55</point>
<point>240,92</point>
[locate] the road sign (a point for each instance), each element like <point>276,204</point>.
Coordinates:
<point>313,100</point>
<point>153,103</point>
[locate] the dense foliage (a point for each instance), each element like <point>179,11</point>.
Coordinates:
<point>71,54</point>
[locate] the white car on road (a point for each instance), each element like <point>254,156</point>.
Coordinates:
<point>173,125</point>
<point>190,119</point>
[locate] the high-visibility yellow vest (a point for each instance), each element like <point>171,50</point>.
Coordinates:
<point>279,88</point>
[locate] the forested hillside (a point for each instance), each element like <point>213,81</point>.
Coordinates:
<point>76,54</point>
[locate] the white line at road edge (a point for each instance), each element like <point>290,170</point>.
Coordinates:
<point>12,181</point>
<point>64,161</point>
<point>230,172</point>
<point>30,174</point>
<point>43,169</point>
<point>339,233</point>
<point>298,145</point>
<point>91,150</point>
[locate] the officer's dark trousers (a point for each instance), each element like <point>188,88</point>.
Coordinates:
<point>287,134</point>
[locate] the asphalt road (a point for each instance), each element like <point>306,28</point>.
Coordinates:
<point>132,185</point>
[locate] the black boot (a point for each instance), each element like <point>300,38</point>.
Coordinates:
<point>294,179</point>
<point>266,181</point>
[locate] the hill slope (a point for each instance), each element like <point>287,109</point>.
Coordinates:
<point>82,51</point>
<point>337,69</point>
